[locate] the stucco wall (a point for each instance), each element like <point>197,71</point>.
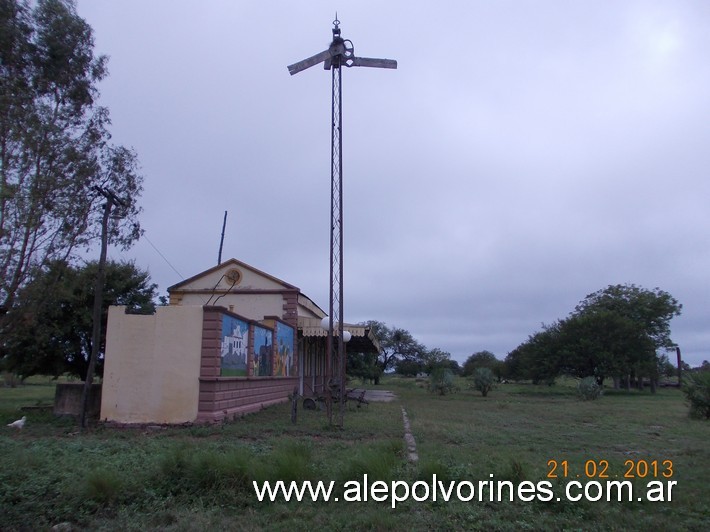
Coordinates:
<point>252,306</point>
<point>152,366</point>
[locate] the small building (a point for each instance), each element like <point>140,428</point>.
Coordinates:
<point>233,340</point>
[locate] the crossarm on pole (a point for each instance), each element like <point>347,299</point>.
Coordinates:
<point>371,62</point>
<point>307,63</point>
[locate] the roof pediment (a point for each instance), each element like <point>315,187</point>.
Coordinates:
<point>231,274</point>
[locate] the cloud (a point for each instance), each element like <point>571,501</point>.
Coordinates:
<point>521,157</point>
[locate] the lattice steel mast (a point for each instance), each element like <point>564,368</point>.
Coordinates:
<point>340,52</point>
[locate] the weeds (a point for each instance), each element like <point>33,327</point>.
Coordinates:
<point>201,477</point>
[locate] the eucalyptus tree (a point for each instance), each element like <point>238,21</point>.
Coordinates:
<point>55,149</point>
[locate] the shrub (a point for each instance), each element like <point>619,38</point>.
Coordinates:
<point>290,462</point>
<point>589,389</point>
<point>380,461</point>
<point>103,486</point>
<point>441,381</point>
<point>483,379</point>
<point>696,387</point>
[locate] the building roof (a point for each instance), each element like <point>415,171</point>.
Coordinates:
<point>362,339</point>
<point>188,283</point>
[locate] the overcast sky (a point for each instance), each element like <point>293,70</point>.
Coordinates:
<point>523,155</point>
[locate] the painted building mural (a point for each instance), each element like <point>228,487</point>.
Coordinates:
<point>235,339</point>
<point>262,352</point>
<point>284,350</point>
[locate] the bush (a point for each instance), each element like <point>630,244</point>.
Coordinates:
<point>696,387</point>
<point>381,461</point>
<point>441,381</point>
<point>483,379</point>
<point>103,486</point>
<point>589,389</point>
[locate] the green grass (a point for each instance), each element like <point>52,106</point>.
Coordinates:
<point>195,478</point>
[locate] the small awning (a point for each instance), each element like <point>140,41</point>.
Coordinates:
<point>362,340</point>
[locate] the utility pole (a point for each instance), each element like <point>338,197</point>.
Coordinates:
<point>111,199</point>
<point>340,52</point>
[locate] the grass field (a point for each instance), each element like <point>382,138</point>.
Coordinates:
<point>199,477</point>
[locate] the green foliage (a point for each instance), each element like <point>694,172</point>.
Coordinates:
<point>517,472</point>
<point>614,332</point>
<point>483,380</point>
<point>539,358</point>
<point>189,478</point>
<point>696,387</point>
<point>395,343</point>
<point>103,486</point>
<point>50,331</point>
<point>666,368</point>
<point>363,366</point>
<point>589,389</point>
<point>379,462</point>
<point>55,143</point>
<point>650,310</point>
<point>484,359</point>
<point>431,359</point>
<point>408,368</point>
<point>604,343</point>
<point>441,381</point>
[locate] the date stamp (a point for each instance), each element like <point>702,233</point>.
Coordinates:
<point>600,469</point>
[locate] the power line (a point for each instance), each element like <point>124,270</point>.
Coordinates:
<point>163,256</point>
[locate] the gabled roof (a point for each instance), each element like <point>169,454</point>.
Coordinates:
<point>226,266</point>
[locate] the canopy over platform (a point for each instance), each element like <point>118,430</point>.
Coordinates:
<point>362,339</point>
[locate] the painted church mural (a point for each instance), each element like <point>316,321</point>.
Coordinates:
<point>262,352</point>
<point>235,339</point>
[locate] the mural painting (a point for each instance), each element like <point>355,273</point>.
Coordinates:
<point>235,339</point>
<point>284,352</point>
<point>262,352</point>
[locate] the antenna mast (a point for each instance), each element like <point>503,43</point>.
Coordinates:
<point>221,240</point>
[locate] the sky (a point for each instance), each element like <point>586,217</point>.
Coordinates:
<point>523,155</point>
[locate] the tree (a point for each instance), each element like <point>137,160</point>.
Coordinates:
<point>603,344</point>
<point>54,143</point>
<point>363,366</point>
<point>696,387</point>
<point>651,310</point>
<point>408,368</point>
<point>480,359</point>
<point>50,328</point>
<point>483,379</point>
<point>666,368</point>
<point>539,358</point>
<point>395,344</point>
<point>436,358</point>
<point>441,381</point>
<point>614,332</point>
<point>641,320</point>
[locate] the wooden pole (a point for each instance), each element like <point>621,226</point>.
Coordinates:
<point>98,304</point>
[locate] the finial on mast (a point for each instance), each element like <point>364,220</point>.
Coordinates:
<point>336,26</point>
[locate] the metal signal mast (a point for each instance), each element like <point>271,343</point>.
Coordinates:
<point>340,53</point>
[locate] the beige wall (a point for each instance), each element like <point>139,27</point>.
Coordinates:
<point>152,366</point>
<point>252,306</point>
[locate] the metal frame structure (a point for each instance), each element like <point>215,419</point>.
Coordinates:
<point>340,52</point>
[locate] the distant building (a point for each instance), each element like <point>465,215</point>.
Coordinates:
<point>232,340</point>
